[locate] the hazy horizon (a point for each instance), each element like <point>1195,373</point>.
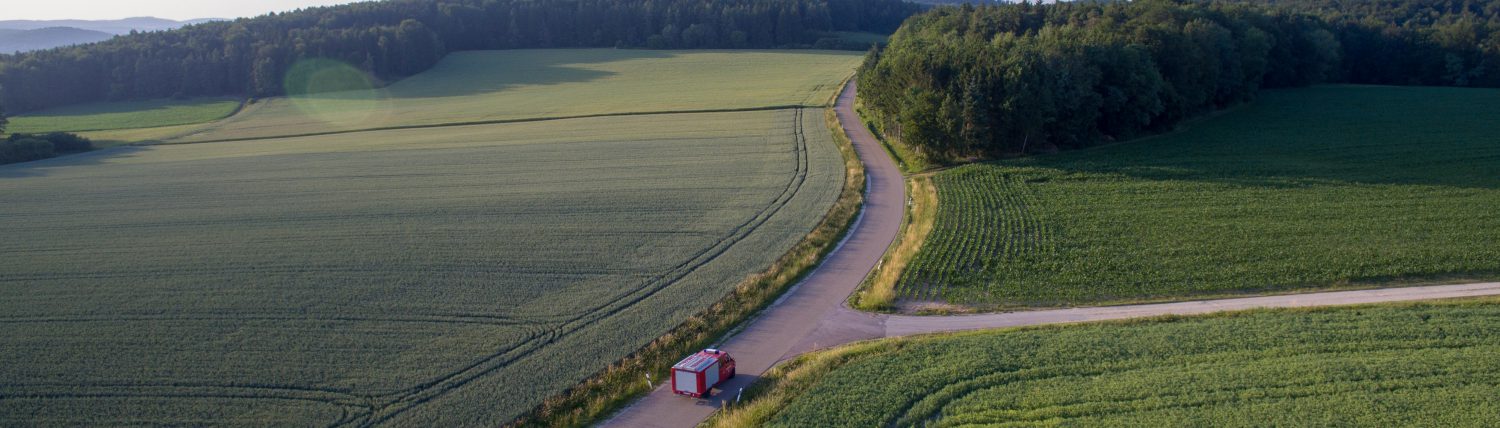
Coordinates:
<point>179,10</point>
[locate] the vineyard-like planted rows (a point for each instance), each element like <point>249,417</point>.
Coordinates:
<point>448,276</point>
<point>1307,188</point>
<point>1395,365</point>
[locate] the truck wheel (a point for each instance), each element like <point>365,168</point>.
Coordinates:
<point>731,374</point>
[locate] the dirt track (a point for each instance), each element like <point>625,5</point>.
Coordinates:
<point>812,315</point>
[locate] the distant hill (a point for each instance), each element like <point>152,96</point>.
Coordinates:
<point>954,2</point>
<point>12,41</point>
<point>977,2</point>
<point>27,35</point>
<point>112,26</point>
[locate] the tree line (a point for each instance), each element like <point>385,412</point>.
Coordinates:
<point>1411,42</point>
<point>398,38</point>
<point>963,82</point>
<point>29,147</point>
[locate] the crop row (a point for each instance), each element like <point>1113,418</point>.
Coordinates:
<point>988,223</point>
<point>1372,366</point>
<point>444,276</point>
<point>1307,188</point>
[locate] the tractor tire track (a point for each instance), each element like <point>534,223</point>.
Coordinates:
<point>808,315</point>
<point>422,393</point>
<point>785,330</point>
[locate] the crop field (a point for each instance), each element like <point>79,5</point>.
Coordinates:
<point>124,115</point>
<point>546,83</point>
<point>1394,365</point>
<point>117,137</point>
<point>450,276</point>
<point>1336,186</point>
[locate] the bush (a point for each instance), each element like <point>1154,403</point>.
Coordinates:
<point>25,149</point>
<point>70,143</point>
<point>61,141</point>
<point>30,147</point>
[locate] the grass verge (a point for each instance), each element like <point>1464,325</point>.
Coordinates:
<point>878,293</point>
<point>908,160</point>
<point>790,380</point>
<point>406,222</point>
<point>1330,187</point>
<point>1406,337</point>
<point>610,389</point>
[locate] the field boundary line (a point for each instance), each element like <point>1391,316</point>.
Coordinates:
<point>242,101</point>
<point>479,122</point>
<point>417,396</point>
<point>602,394</point>
<point>907,325</point>
<point>840,320</point>
<point>791,378</point>
<point>880,291</point>
<point>859,218</point>
<point>611,389</point>
<point>814,315</point>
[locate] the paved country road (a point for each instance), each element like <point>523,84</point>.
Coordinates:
<point>813,316</point>
<point>908,325</point>
<point>780,330</point>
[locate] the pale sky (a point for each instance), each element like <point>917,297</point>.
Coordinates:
<point>170,9</point>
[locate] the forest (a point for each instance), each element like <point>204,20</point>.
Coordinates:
<point>982,81</point>
<point>398,38</point>
<point>1411,42</point>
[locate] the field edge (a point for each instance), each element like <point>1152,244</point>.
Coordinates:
<point>178,140</point>
<point>239,105</point>
<point>609,390</point>
<point>908,159</point>
<point>875,300</point>
<point>878,292</point>
<point>790,379</point>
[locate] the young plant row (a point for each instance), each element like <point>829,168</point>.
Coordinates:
<point>1374,365</point>
<point>1312,188</point>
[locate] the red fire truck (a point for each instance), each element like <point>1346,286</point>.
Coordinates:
<point>699,373</point>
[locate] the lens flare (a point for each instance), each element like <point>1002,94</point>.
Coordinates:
<point>335,93</point>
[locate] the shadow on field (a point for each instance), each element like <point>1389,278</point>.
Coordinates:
<point>40,168</point>
<point>1331,135</point>
<point>113,107</point>
<point>479,72</point>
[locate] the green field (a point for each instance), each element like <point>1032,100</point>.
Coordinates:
<point>1319,187</point>
<point>548,83</point>
<point>116,137</point>
<point>432,277</point>
<point>124,115</point>
<point>1430,364</point>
